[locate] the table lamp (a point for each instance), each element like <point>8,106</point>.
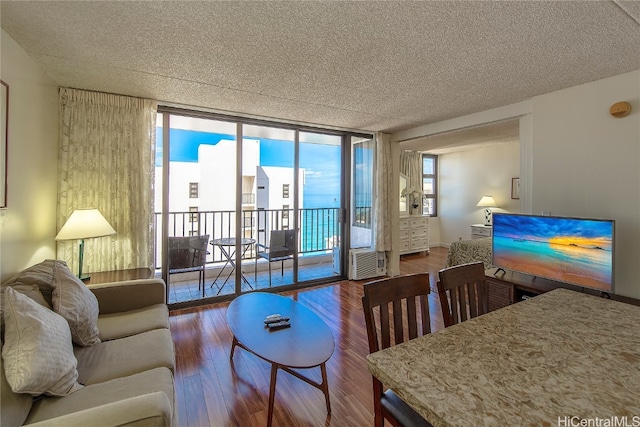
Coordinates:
<point>487,202</point>
<point>84,224</point>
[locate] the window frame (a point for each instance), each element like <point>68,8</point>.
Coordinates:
<point>434,177</point>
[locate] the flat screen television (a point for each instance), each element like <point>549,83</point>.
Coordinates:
<point>578,251</point>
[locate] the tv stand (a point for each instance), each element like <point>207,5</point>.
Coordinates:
<point>508,287</point>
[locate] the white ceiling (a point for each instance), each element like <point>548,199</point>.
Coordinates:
<point>364,65</point>
<point>504,132</point>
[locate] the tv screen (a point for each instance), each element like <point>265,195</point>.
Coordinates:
<point>578,251</point>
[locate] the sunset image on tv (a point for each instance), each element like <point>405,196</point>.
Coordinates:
<point>570,250</point>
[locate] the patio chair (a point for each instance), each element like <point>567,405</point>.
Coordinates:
<point>281,247</point>
<point>187,254</point>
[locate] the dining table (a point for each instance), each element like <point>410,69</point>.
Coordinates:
<point>558,359</point>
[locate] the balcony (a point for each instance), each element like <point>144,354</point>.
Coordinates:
<point>320,229</point>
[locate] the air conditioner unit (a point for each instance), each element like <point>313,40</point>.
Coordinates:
<point>366,263</point>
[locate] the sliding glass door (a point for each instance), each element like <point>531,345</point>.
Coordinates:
<point>270,209</point>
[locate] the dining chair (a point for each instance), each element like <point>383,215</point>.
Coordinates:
<point>382,303</point>
<point>187,254</point>
<point>282,246</point>
<point>462,290</point>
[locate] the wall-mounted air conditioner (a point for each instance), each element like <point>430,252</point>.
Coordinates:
<point>366,263</point>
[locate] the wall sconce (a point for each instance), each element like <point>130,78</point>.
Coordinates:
<point>487,202</point>
<point>84,224</point>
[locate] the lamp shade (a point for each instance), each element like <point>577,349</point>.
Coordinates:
<point>487,202</point>
<point>83,224</point>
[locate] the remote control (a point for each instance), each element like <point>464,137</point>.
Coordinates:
<point>276,320</point>
<point>278,325</point>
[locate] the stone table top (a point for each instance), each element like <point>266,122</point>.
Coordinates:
<point>559,355</point>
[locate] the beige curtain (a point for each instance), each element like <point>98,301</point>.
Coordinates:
<point>384,194</point>
<point>106,161</point>
<point>411,166</point>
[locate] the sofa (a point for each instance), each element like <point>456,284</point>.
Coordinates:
<point>79,355</point>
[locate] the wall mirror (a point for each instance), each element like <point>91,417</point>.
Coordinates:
<point>404,205</point>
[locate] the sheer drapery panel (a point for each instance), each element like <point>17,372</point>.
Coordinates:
<point>384,197</point>
<point>106,161</point>
<point>411,166</point>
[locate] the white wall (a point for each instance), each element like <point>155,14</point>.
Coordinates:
<point>28,225</point>
<point>464,177</point>
<point>587,163</point>
<point>577,160</point>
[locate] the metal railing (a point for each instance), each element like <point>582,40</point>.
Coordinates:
<point>319,228</point>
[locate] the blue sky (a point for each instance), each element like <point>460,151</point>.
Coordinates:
<point>321,162</point>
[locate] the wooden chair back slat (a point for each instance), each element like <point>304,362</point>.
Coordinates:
<point>397,322</point>
<point>396,293</point>
<point>462,290</point>
<point>412,318</point>
<point>384,325</point>
<point>426,320</point>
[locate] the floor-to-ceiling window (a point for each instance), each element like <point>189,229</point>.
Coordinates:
<point>272,208</point>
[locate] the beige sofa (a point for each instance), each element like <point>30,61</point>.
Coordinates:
<point>126,379</point>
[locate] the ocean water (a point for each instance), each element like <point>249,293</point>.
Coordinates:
<point>319,226</point>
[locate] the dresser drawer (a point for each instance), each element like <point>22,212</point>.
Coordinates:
<point>419,232</point>
<point>404,234</point>
<point>404,246</point>
<point>480,231</point>
<point>404,223</point>
<point>485,232</point>
<point>419,222</point>
<point>420,244</point>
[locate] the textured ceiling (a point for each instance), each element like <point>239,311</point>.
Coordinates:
<point>357,65</point>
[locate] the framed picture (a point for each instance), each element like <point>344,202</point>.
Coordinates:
<point>515,188</point>
<point>4,135</point>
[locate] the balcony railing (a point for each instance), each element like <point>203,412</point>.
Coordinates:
<point>319,228</point>
<point>248,198</point>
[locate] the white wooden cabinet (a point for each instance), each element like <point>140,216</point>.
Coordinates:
<point>478,231</point>
<point>414,234</point>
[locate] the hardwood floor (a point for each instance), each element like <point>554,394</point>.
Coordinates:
<point>212,390</point>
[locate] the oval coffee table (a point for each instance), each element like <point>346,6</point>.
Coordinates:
<point>307,343</point>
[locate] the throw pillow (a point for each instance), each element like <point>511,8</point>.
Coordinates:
<point>32,291</point>
<point>37,353</point>
<point>76,303</point>
<point>40,274</point>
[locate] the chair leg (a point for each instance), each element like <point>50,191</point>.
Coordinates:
<point>201,278</point>
<point>378,418</point>
<point>282,268</point>
<point>269,273</point>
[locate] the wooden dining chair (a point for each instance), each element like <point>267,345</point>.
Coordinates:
<point>462,290</point>
<point>383,306</point>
